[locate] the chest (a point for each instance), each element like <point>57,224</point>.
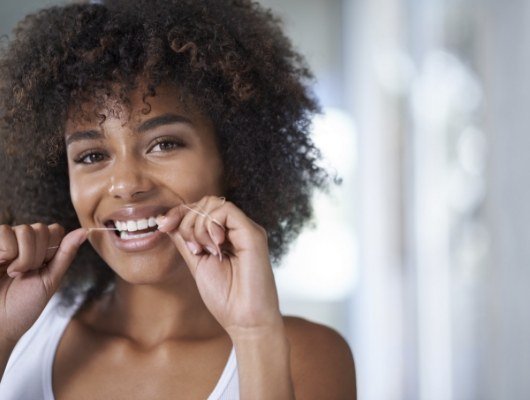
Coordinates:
<point>88,367</point>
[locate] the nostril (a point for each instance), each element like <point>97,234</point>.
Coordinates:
<point>130,185</point>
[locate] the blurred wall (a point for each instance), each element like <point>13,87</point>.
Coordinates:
<point>503,331</point>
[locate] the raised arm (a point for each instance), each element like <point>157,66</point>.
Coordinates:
<point>227,254</point>
<point>33,260</point>
<point>264,358</point>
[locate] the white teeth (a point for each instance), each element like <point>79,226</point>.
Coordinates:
<point>131,226</point>
<point>138,225</point>
<point>124,235</point>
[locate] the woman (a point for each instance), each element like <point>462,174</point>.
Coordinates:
<point>174,133</point>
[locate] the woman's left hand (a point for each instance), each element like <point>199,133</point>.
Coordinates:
<point>227,254</point>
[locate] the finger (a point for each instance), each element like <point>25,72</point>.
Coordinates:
<point>25,236</point>
<point>200,228</point>
<point>172,219</point>
<point>186,250</point>
<point>56,235</point>
<point>239,230</point>
<point>56,268</point>
<point>216,232</point>
<point>187,230</point>
<point>42,235</point>
<point>8,244</point>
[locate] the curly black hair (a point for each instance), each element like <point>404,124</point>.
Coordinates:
<point>229,57</point>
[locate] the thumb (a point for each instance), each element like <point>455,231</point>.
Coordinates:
<point>64,256</point>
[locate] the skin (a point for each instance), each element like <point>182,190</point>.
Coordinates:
<point>209,276</point>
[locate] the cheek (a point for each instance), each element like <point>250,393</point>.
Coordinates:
<point>84,193</point>
<point>216,176</point>
<point>211,170</point>
<point>196,180</point>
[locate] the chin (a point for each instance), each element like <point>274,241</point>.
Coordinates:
<point>145,270</point>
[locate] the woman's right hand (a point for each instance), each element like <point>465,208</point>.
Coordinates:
<point>33,260</point>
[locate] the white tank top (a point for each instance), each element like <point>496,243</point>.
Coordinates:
<point>28,374</point>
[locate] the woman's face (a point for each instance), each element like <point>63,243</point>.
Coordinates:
<point>131,168</point>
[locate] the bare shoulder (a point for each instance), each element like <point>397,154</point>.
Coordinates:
<point>321,361</point>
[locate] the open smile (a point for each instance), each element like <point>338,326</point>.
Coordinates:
<point>135,229</point>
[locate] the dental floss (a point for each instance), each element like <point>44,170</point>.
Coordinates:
<point>203,214</point>
<point>89,230</point>
<point>206,215</point>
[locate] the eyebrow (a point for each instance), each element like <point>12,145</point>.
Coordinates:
<point>152,123</point>
<point>165,119</point>
<point>83,135</point>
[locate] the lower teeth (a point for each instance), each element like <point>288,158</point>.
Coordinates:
<point>127,236</point>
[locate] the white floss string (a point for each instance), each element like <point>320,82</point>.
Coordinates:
<point>202,214</point>
<point>89,230</point>
<point>205,214</point>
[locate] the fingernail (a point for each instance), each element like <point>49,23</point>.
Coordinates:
<point>193,248</point>
<point>211,250</point>
<point>216,236</point>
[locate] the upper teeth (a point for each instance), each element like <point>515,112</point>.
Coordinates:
<point>138,225</point>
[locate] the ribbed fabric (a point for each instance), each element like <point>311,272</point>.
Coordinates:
<point>28,374</point>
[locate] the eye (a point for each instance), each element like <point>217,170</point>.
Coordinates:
<point>90,157</point>
<point>166,144</point>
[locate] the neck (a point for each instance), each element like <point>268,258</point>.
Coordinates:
<point>150,315</point>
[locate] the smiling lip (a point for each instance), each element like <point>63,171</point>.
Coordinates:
<point>136,213</point>
<point>136,245</point>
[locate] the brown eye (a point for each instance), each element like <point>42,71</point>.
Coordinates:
<point>166,144</point>
<point>90,158</point>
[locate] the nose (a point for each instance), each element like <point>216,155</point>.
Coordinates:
<point>128,181</point>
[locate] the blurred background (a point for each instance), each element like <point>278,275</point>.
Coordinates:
<point>418,259</point>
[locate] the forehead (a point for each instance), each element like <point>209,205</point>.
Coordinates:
<point>133,108</point>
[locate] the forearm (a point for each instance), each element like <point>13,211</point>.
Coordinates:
<point>263,359</point>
